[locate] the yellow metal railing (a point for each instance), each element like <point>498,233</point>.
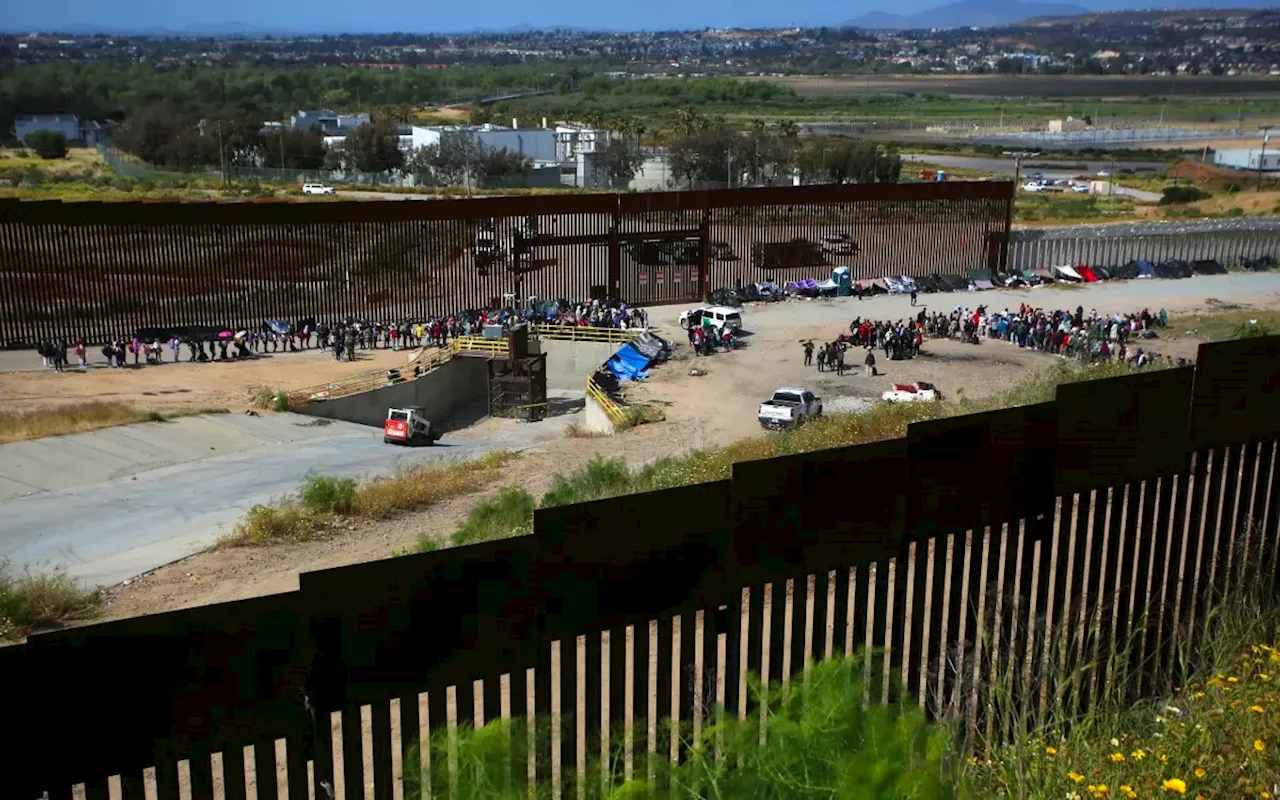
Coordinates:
<point>426,360</point>
<point>575,333</point>
<point>611,409</point>
<point>478,344</point>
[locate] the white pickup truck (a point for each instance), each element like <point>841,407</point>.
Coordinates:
<point>790,406</point>
<point>912,393</point>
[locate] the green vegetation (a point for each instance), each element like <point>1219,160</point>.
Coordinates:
<point>48,145</point>
<point>1182,194</point>
<point>1063,207</point>
<point>509,514</point>
<point>323,501</point>
<point>1227,324</point>
<point>31,601</point>
<point>819,741</point>
<point>1216,735</point>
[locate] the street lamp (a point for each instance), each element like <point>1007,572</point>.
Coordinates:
<point>1262,156</point>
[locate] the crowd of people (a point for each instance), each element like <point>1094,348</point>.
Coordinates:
<point>1091,337</point>
<point>343,338</point>
<point>898,340</point>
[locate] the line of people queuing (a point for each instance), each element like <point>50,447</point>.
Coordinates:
<point>343,337</point>
<point>1086,337</point>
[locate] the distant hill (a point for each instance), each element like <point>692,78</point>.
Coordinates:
<point>966,13</point>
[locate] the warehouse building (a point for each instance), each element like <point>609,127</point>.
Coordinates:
<point>1242,158</point>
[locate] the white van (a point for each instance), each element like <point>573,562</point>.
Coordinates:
<point>719,317</point>
<point>316,188</point>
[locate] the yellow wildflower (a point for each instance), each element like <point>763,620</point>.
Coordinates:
<point>1262,676</point>
<point>1164,759</point>
<point>1259,745</point>
<point>1052,751</point>
<point>1256,709</point>
<point>1100,790</point>
<point>1215,681</point>
<point>1117,757</point>
<point>1138,754</point>
<point>1175,785</point>
<point>1128,791</point>
<point>1232,679</point>
<point>1075,776</point>
<point>1199,695</point>
<point>1200,772</point>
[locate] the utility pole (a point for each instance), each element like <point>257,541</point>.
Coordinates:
<point>1262,156</point>
<point>1017,156</point>
<point>222,156</point>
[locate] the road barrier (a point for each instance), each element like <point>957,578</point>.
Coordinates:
<point>614,411</point>
<point>426,360</point>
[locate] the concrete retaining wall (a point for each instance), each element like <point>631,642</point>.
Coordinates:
<point>569,363</point>
<point>455,394</point>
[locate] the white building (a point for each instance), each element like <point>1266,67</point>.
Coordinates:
<point>328,121</point>
<point>1242,158</point>
<point>1068,125</point>
<point>538,144</point>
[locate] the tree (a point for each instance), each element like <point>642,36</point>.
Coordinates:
<point>621,161</point>
<point>450,161</point>
<point>373,147</point>
<point>48,144</point>
<point>502,163</point>
<point>712,156</point>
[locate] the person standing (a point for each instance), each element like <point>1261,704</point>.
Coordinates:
<point>808,353</point>
<point>839,361</point>
<point>79,350</point>
<point>870,363</point>
<point>913,297</point>
<point>822,359</point>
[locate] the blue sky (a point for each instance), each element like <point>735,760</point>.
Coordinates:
<point>353,16</point>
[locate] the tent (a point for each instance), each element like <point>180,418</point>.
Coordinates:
<point>1208,267</point>
<point>1145,268</point>
<point>1102,273</point>
<point>807,286</point>
<point>1069,273</point>
<point>1259,264</point>
<point>976,275</point>
<point>978,285</point>
<point>1087,274</point>
<point>628,364</point>
<point>652,347</point>
<point>1046,273</point>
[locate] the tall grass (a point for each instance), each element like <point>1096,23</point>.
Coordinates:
<point>322,500</point>
<point>31,601</point>
<point>20,426</point>
<point>820,741</point>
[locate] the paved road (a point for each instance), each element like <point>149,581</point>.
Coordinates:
<point>1005,166</point>
<point>109,531</point>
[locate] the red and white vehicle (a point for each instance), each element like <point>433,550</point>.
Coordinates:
<point>912,393</point>
<point>407,425</point>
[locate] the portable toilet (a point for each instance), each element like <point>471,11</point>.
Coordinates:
<point>942,176</point>
<point>843,280</point>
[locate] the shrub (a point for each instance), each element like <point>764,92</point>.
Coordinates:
<point>264,397</point>
<point>600,478</point>
<point>326,493</point>
<point>817,740</point>
<point>48,145</point>
<point>31,601</point>
<point>281,403</point>
<point>282,523</point>
<point>509,514</point>
<point>1182,194</point>
<point>1251,329</point>
<point>424,485</point>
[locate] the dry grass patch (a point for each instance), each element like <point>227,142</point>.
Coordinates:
<point>425,485</point>
<point>92,415</point>
<point>34,601</point>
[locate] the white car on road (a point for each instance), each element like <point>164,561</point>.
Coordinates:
<point>912,393</point>
<point>316,188</point>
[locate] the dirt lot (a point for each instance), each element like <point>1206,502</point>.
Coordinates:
<point>177,387</point>
<point>706,411</point>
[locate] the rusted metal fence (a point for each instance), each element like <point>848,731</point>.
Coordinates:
<point>1111,521</point>
<point>103,271</point>
<point>1229,242</point>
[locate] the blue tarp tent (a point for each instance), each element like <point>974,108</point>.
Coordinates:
<point>1145,269</point>
<point>628,364</point>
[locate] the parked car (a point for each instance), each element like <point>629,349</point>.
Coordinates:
<point>408,425</point>
<point>790,406</point>
<point>1080,188</point>
<point>1032,186</point>
<point>316,188</point>
<point>839,244</point>
<point>720,317</point>
<point>1102,173</point>
<point>912,393</point>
